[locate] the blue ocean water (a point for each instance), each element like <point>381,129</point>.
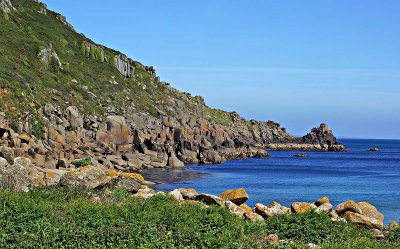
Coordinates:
<point>357,175</point>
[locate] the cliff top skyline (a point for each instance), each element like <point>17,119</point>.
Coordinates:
<point>299,65</point>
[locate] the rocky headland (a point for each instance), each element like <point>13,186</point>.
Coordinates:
<point>118,114</point>
<point>77,114</point>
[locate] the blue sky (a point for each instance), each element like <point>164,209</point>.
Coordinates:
<point>298,62</point>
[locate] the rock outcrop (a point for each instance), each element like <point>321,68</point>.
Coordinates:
<point>63,20</point>
<point>362,214</point>
<point>95,51</point>
<point>145,123</point>
<point>302,207</point>
<point>273,209</point>
<point>22,175</point>
<point>319,139</point>
<point>123,64</point>
<point>6,6</point>
<point>49,57</point>
<point>323,137</point>
<point>134,141</point>
<point>238,196</point>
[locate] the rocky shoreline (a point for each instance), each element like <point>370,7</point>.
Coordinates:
<point>362,214</point>
<point>119,114</point>
<point>22,175</point>
<point>139,141</point>
<point>115,149</point>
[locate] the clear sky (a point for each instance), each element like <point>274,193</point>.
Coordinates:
<point>297,62</point>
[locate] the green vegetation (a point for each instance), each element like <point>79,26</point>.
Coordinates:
<point>26,84</point>
<point>5,15</point>
<point>72,218</point>
<point>38,129</point>
<point>220,117</point>
<point>250,125</point>
<point>83,162</point>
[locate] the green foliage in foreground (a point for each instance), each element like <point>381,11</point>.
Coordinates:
<point>62,218</point>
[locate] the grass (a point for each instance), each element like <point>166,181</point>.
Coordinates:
<point>26,85</point>
<point>220,117</point>
<point>70,218</point>
<point>82,163</point>
<point>30,84</point>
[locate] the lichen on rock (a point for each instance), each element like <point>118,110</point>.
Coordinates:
<point>49,57</point>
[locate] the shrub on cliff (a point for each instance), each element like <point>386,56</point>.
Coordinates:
<point>82,163</point>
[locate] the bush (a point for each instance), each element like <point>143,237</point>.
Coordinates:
<point>38,129</point>
<point>5,16</point>
<point>69,218</point>
<point>82,162</point>
<point>394,235</point>
<point>313,227</point>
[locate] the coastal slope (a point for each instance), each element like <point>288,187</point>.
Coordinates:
<point>65,98</point>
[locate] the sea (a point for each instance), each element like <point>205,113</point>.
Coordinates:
<point>357,175</point>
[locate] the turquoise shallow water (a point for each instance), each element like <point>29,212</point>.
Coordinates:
<point>358,175</point>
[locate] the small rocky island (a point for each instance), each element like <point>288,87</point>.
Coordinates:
<point>301,155</point>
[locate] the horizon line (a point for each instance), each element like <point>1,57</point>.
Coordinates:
<point>293,70</point>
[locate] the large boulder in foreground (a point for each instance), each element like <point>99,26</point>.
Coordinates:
<point>188,193</point>
<point>91,177</point>
<point>21,175</point>
<point>238,196</point>
<point>88,177</point>
<point>362,213</point>
<point>145,192</point>
<point>273,209</point>
<point>130,182</point>
<point>302,207</point>
<point>321,201</point>
<point>324,208</point>
<point>350,205</point>
<point>235,209</point>
<point>363,220</point>
<point>210,199</point>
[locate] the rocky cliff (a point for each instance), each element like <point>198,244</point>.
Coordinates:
<point>66,98</point>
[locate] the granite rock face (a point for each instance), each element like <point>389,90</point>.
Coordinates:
<point>161,127</point>
<point>64,21</point>
<point>6,6</point>
<point>319,139</point>
<point>136,140</point>
<point>123,65</point>
<point>49,57</point>
<point>323,137</point>
<point>96,50</point>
